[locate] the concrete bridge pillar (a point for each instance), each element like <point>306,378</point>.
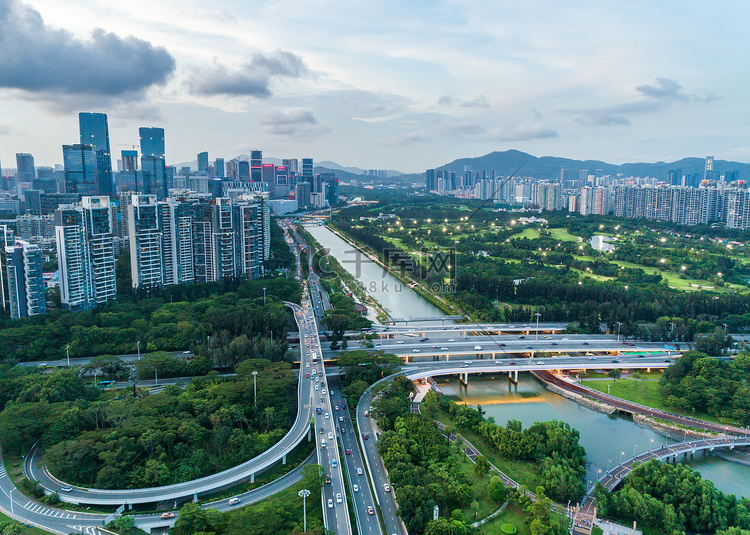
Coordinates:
<point>464,334</point>
<point>130,507</point>
<point>513,377</point>
<point>421,335</point>
<point>406,359</point>
<point>494,356</point>
<point>283,460</point>
<point>195,497</point>
<point>252,477</point>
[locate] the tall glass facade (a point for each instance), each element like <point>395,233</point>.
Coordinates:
<point>95,132</point>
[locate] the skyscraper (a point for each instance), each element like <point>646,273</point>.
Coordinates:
<point>307,167</point>
<point>6,239</point>
<point>25,171</point>
<point>219,166</point>
<point>86,253</point>
<point>203,163</point>
<point>129,160</point>
<point>145,242</point>
<point>81,175</point>
<point>256,162</point>
<point>153,162</point>
<point>95,132</point>
<point>25,281</point>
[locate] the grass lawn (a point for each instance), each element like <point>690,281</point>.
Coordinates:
<point>530,233</point>
<point>562,234</point>
<point>486,506</point>
<point>512,514</point>
<point>643,392</point>
<point>523,472</point>
<point>26,530</point>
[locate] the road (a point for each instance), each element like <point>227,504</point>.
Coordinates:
<point>362,496</point>
<point>225,479</point>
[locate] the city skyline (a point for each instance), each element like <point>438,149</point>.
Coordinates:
<point>382,85</point>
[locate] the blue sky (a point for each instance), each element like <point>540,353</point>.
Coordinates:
<point>380,84</point>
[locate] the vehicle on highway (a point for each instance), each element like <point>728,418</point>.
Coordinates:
<point>365,437</point>
<point>387,487</point>
<point>615,361</point>
<point>323,391</point>
<point>330,435</point>
<point>328,478</point>
<point>512,363</point>
<point>529,347</point>
<point>341,418</point>
<point>477,348</point>
<point>585,343</point>
<point>553,343</point>
<point>322,443</point>
<point>522,338</point>
<point>359,471</point>
<point>167,516</point>
<point>66,488</point>
<point>317,387</point>
<point>334,463</point>
<point>318,410</point>
<point>451,339</point>
<point>234,501</point>
<point>367,413</point>
<point>355,488</point>
<point>443,349</point>
<point>335,407</point>
<point>338,498</point>
<point>348,451</point>
<point>591,358</point>
<point>415,350</point>
<point>540,362</point>
<point>307,376</point>
<point>399,341</point>
<point>423,339</point>
<point>327,416</point>
<point>370,510</point>
<point>330,503</point>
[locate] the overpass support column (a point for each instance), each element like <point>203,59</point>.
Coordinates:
<point>130,507</point>
<point>406,359</point>
<point>515,376</point>
<point>252,477</point>
<point>494,356</point>
<point>195,497</point>
<point>283,460</point>
<point>464,334</point>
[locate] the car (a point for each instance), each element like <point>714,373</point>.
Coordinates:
<point>639,356</point>
<point>512,363</point>
<point>234,501</point>
<point>323,391</point>
<point>307,375</point>
<point>370,510</point>
<point>317,387</point>
<point>367,413</point>
<point>355,488</point>
<point>348,451</point>
<point>338,498</point>
<point>330,435</point>
<point>529,347</point>
<point>443,349</point>
<point>667,360</point>
<point>327,416</point>
<point>498,362</point>
<point>66,488</point>
<point>553,343</point>
<point>341,418</point>
<point>387,487</point>
<point>522,338</point>
<point>328,478</point>
<point>477,348</point>
<point>415,350</point>
<point>334,463</point>
<point>330,503</point>
<point>399,341</point>
<point>365,437</point>
<point>615,360</point>
<point>540,362</point>
<point>359,471</point>
<point>585,343</point>
<point>343,406</point>
<point>318,410</point>
<point>378,345</point>
<point>342,430</point>
<point>308,364</point>
<point>335,407</point>
<point>591,358</point>
<point>451,340</point>
<point>502,344</point>
<point>444,329</point>
<point>186,352</point>
<point>167,516</point>
<point>423,339</point>
<point>464,365</point>
<point>322,431</point>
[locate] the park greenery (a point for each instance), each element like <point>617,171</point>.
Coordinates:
<point>281,514</point>
<point>360,369</point>
<point>427,469</point>
<point>659,273</point>
<point>696,382</point>
<point>671,500</point>
<point>113,439</point>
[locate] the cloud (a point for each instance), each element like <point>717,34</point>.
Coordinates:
<point>416,136</point>
<point>446,100</point>
<point>479,102</point>
<point>296,122</point>
<point>251,79</point>
<point>521,133</point>
<point>663,89</point>
<point>601,118</point>
<point>50,62</point>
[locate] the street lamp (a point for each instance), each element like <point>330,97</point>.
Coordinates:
<point>618,331</point>
<point>139,349</point>
<point>255,387</point>
<point>537,326</point>
<point>264,297</point>
<point>67,353</point>
<point>11,500</point>
<point>304,493</point>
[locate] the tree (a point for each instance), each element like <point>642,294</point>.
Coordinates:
<point>474,507</point>
<point>429,403</point>
<point>496,490</point>
<point>615,374</point>
<point>481,466</point>
<point>111,366</point>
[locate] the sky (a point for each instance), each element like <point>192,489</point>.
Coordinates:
<point>386,84</point>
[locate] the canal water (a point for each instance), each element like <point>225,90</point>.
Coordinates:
<point>602,243</point>
<point>607,439</point>
<point>392,294</point>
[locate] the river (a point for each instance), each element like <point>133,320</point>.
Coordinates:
<point>607,439</point>
<point>392,294</point>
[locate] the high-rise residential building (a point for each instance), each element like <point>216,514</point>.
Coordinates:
<point>95,132</point>
<point>256,166</point>
<point>6,239</point>
<point>86,253</point>
<point>202,159</point>
<point>430,180</point>
<point>307,167</point>
<point>145,242</point>
<point>332,190</point>
<point>129,160</point>
<point>25,280</point>
<point>81,169</point>
<point>153,162</point>
<point>738,208</point>
<point>25,170</point>
<point>219,167</point>
<point>175,222</point>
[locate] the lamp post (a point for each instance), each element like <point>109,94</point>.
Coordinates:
<point>618,331</point>
<point>537,326</point>
<point>11,500</point>
<point>139,349</point>
<point>264,297</point>
<point>304,493</point>
<point>255,387</point>
<point>67,353</point>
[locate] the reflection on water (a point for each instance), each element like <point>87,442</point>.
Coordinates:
<point>602,243</point>
<point>607,439</point>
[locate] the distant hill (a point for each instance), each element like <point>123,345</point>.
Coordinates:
<point>513,162</point>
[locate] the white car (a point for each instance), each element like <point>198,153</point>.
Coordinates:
<point>477,348</point>
<point>317,387</point>
<point>444,349</point>
<point>323,391</point>
<point>234,501</point>
<point>338,498</point>
<point>359,471</point>
<point>400,342</point>
<point>451,339</point>
<point>327,416</point>
<point>415,350</point>
<point>355,488</point>
<point>330,503</point>
<point>330,435</point>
